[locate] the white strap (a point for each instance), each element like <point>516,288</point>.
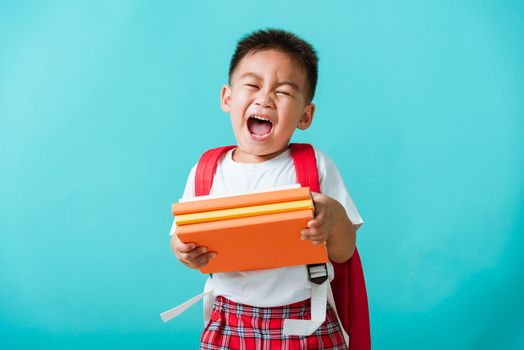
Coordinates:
<point>318,313</point>
<point>207,295</point>
<point>331,301</point>
<point>174,312</point>
<point>319,294</point>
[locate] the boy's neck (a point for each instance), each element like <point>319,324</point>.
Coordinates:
<point>240,156</point>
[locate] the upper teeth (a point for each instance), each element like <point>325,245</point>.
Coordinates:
<point>260,118</point>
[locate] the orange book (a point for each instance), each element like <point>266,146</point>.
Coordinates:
<point>251,231</point>
<point>208,203</point>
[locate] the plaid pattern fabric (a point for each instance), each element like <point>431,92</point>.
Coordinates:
<point>244,327</point>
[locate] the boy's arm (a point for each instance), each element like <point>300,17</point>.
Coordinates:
<point>188,253</point>
<point>331,225</point>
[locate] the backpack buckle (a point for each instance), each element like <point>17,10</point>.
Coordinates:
<point>317,273</point>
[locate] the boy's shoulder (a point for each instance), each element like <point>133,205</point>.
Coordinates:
<point>324,162</point>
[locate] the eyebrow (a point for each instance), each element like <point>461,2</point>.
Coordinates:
<point>280,83</point>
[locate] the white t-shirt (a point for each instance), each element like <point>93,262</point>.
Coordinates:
<point>279,286</point>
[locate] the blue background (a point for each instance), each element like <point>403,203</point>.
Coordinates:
<point>106,105</point>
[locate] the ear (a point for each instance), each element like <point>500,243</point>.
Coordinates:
<point>307,117</point>
<point>225,98</point>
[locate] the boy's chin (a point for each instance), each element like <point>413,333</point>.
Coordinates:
<point>260,151</point>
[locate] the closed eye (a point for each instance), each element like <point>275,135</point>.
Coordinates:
<point>252,86</point>
<point>283,93</point>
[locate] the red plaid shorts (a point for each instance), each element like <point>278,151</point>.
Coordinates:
<point>244,327</point>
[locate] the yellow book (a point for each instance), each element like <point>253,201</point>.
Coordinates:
<point>224,214</point>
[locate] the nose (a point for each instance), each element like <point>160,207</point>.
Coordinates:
<point>264,100</point>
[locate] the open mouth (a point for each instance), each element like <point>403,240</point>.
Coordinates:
<point>260,127</point>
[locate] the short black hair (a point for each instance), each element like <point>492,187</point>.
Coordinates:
<point>277,39</point>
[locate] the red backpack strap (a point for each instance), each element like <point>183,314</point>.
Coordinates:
<point>205,172</point>
<point>305,165</point>
<point>349,287</point>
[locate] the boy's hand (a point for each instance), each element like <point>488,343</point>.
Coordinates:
<point>189,254</point>
<point>320,227</point>
<point>331,226</point>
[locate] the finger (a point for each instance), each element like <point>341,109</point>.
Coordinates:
<point>313,234</point>
<point>318,242</point>
<point>318,219</point>
<point>316,234</point>
<point>196,253</point>
<point>182,247</point>
<point>202,260</point>
<point>313,223</point>
<point>307,233</point>
<point>316,222</point>
<point>192,255</point>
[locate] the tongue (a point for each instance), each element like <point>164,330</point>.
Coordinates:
<point>258,127</point>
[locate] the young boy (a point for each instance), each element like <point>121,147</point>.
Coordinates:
<point>272,80</point>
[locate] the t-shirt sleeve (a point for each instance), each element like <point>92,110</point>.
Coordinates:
<point>332,185</point>
<point>189,192</point>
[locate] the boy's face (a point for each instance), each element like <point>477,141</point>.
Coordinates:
<point>267,100</point>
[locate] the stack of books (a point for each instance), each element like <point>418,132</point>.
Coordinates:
<point>250,231</point>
